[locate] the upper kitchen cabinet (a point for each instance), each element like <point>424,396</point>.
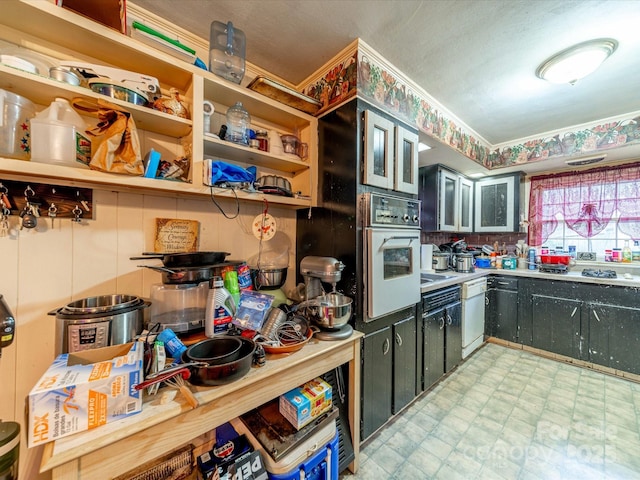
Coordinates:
<point>497,203</point>
<point>390,154</point>
<point>447,200</point>
<point>61,35</point>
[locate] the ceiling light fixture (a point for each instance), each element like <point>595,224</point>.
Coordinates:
<point>423,147</point>
<point>574,63</point>
<point>585,160</point>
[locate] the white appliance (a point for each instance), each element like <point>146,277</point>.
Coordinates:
<point>426,258</point>
<point>473,302</point>
<point>392,252</point>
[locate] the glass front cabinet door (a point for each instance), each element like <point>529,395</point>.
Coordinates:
<point>390,154</point>
<point>497,205</point>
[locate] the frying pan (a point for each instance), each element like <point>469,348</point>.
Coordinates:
<point>189,259</point>
<point>203,373</point>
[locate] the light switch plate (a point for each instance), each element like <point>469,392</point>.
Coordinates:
<point>591,256</point>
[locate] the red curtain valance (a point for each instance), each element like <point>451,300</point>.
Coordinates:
<point>587,200</point>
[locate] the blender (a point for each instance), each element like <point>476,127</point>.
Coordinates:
<point>330,312</point>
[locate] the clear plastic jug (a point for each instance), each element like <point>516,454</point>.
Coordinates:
<point>238,122</point>
<point>58,136</point>
<point>15,113</point>
<point>227,51</point>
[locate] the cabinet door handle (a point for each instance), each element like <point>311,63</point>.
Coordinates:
<point>595,314</point>
<point>575,309</point>
<point>386,346</point>
<point>449,319</point>
<point>398,339</point>
<point>441,323</point>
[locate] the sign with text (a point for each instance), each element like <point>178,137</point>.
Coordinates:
<point>176,236</point>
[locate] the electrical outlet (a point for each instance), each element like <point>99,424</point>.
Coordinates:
<point>591,256</point>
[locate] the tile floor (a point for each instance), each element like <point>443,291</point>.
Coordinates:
<point>508,414</point>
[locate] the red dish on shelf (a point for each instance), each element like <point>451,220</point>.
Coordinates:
<point>556,259</point>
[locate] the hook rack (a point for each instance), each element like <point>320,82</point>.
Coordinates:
<point>61,201</point>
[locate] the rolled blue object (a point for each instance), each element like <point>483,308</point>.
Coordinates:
<point>172,344</point>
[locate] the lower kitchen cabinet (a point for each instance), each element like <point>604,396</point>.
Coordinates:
<point>433,346</point>
<point>501,311</point>
<point>388,370</point>
<point>404,364</point>
<point>377,378</point>
<point>441,333</point>
<point>556,326</point>
<point>614,336</point>
<point>594,323</point>
<point>453,336</point>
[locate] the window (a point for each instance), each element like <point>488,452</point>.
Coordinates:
<point>593,209</point>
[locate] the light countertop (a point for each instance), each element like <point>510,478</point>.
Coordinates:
<point>628,275</point>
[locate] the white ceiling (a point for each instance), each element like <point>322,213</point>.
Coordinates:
<point>476,57</point>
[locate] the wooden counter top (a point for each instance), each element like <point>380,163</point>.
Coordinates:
<point>167,422</point>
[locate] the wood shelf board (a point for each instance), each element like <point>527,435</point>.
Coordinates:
<point>130,440</point>
<point>65,28</point>
<point>227,93</point>
<point>11,169</point>
<point>239,153</point>
<point>43,90</point>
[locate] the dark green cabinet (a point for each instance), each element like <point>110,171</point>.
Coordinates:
<point>592,322</point>
<point>501,309</point>
<point>614,336</point>
<point>404,363</point>
<point>377,378</point>
<point>453,336</point>
<point>389,369</point>
<point>433,324</point>
<point>556,326</point>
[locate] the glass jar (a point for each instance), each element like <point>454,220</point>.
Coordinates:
<point>263,140</point>
<point>238,121</point>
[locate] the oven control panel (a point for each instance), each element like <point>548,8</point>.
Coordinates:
<point>385,210</point>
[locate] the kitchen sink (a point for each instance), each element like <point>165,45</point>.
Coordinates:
<point>433,277</point>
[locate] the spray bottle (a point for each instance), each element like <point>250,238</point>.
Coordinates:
<point>219,310</point>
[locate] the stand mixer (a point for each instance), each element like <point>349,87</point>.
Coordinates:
<point>331,312</point>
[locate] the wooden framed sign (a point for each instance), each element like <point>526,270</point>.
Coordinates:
<point>176,236</point>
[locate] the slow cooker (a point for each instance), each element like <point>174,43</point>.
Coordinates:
<point>441,261</point>
<point>96,322</point>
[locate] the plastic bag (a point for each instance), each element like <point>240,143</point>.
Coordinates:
<point>222,172</point>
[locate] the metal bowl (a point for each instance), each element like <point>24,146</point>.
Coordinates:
<point>330,311</point>
<point>268,278</point>
<point>63,75</point>
<point>117,91</point>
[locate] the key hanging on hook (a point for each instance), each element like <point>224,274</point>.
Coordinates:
<point>52,212</point>
<point>77,214</point>
<point>4,222</point>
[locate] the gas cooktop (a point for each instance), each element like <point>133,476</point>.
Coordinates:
<point>593,272</point>
<point>553,268</point>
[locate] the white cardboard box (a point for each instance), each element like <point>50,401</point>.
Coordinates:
<point>303,404</point>
<point>84,390</point>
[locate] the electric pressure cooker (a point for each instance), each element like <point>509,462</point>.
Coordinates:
<point>100,321</point>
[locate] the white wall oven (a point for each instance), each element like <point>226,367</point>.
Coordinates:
<point>392,254</point>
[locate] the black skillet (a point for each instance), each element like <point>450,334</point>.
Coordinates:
<point>189,259</point>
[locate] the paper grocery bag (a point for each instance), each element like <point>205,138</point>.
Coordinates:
<point>116,148</point>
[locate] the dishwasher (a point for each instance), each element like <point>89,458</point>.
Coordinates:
<point>473,304</point>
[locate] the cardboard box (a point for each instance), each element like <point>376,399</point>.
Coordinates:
<point>85,390</point>
<point>301,405</point>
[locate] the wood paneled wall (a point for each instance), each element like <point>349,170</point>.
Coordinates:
<point>45,268</point>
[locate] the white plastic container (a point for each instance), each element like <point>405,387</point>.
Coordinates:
<point>15,113</point>
<point>58,136</point>
<point>219,309</point>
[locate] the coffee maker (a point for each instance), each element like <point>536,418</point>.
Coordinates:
<point>330,311</point>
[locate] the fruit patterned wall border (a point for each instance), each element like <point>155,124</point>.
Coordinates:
<point>361,72</point>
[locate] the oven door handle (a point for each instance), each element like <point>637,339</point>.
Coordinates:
<point>388,239</point>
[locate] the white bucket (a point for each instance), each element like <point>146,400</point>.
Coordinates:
<point>58,136</point>
<point>15,113</point>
